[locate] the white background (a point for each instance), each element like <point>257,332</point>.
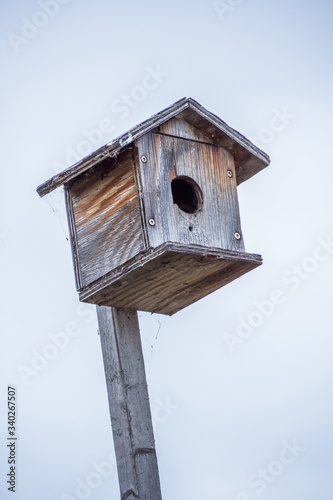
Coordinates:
<point>226,405</point>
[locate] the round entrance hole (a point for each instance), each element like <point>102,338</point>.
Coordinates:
<point>186,194</point>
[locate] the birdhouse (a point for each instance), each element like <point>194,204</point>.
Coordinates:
<point>154,217</point>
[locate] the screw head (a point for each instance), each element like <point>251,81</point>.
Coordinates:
<point>237,236</point>
<point>229,173</point>
<point>144,159</point>
<point>151,222</point>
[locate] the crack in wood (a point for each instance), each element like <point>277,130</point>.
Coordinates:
<point>142,451</point>
<point>187,139</point>
<point>128,493</point>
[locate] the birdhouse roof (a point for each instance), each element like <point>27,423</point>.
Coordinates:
<point>249,159</point>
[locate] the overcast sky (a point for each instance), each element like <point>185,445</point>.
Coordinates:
<point>241,382</point>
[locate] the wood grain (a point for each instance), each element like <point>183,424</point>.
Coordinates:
<point>129,404</point>
<point>169,278</point>
<point>216,223</point>
<point>248,158</point>
<point>73,238</point>
<point>107,218</point>
<point>178,127</point>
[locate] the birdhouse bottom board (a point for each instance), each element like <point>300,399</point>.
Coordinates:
<point>159,280</point>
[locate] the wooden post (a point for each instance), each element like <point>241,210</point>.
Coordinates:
<point>129,404</point>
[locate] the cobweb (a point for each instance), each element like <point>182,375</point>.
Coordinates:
<point>152,337</point>
<point>56,201</point>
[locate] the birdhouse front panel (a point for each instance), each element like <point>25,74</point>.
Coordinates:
<point>189,191</point>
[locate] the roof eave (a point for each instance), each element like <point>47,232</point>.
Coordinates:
<point>249,159</point>
<point>113,148</point>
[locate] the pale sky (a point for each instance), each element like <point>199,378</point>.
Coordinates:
<point>240,382</point>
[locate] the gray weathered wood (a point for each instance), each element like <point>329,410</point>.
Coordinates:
<point>216,223</point>
<point>168,278</point>
<point>249,159</point>
<point>73,238</point>
<point>129,404</point>
<point>178,127</point>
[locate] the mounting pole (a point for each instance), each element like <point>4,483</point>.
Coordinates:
<point>129,404</point>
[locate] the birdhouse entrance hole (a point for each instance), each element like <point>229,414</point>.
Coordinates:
<point>186,194</point>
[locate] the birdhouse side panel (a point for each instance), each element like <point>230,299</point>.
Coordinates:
<point>106,218</point>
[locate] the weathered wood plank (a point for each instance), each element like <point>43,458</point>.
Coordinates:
<point>73,238</point>
<point>107,218</point>
<point>150,173</point>
<point>218,219</point>
<point>169,278</point>
<point>129,404</point>
<point>249,159</point>
<point>178,127</point>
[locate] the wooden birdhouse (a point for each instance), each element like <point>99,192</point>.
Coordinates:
<point>154,216</point>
